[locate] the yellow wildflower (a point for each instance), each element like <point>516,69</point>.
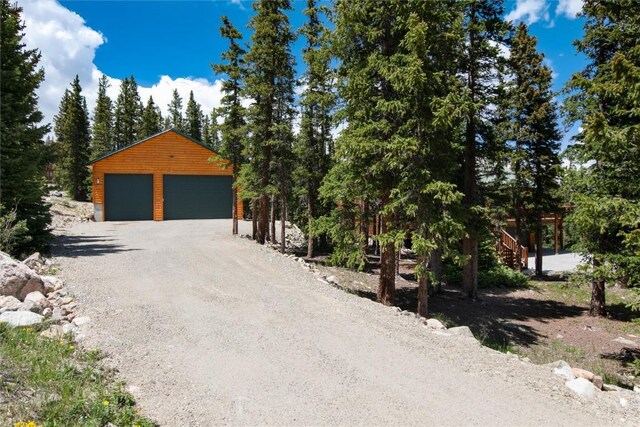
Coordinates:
<point>105,402</point>
<point>72,347</point>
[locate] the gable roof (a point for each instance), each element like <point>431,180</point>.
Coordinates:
<point>111,153</point>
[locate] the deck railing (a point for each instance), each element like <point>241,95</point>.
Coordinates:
<point>507,247</point>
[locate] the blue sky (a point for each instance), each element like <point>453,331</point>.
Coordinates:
<point>170,44</point>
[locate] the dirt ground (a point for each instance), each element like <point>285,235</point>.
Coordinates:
<point>547,321</point>
<point>65,212</point>
<point>208,329</point>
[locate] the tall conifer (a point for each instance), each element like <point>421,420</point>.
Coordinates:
<point>21,134</point>
<point>151,119</point>
<point>605,98</point>
<point>128,114</point>
<point>72,132</point>
<point>193,118</point>
<point>233,128</point>
<point>175,111</point>
<point>102,129</point>
<point>269,84</point>
<point>532,131</point>
<point>314,141</point>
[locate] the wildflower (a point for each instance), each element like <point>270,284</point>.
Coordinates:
<point>105,403</point>
<point>72,347</point>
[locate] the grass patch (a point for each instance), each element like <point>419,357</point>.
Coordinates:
<point>50,382</point>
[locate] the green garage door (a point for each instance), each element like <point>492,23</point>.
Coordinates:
<point>197,196</point>
<point>128,197</point>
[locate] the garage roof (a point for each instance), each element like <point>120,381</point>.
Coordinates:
<point>104,156</point>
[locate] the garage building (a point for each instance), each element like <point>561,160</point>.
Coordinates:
<point>165,176</point>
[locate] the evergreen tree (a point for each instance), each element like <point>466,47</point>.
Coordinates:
<point>533,131</point>
<point>214,127</point>
<point>269,83</point>
<point>606,99</point>
<point>392,63</point>
<point>151,120</point>
<point>314,141</point>
<point>193,120</point>
<point>166,123</point>
<point>233,128</point>
<point>205,129</point>
<point>102,129</point>
<point>74,137</point>
<point>21,178</point>
<point>175,111</point>
<point>484,30</point>
<point>128,114</point>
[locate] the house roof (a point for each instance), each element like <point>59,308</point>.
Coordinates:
<point>111,153</point>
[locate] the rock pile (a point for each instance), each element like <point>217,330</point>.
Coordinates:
<point>28,297</point>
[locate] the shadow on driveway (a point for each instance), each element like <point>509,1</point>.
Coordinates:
<point>81,246</point>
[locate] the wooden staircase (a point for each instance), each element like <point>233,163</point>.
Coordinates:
<point>506,247</point>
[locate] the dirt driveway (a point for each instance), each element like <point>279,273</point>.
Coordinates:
<point>211,329</point>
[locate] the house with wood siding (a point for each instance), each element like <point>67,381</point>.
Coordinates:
<point>165,176</point>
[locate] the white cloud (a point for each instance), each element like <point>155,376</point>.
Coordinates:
<point>569,8</point>
<point>68,47</point>
<point>530,11</point>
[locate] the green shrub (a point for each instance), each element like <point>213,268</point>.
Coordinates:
<point>498,276</point>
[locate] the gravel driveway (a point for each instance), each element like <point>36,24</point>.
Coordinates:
<point>211,329</point>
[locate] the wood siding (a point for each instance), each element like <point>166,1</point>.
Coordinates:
<point>168,153</point>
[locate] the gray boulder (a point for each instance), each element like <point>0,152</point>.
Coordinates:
<point>21,318</point>
<point>16,279</point>
<point>463,331</point>
<point>51,284</point>
<point>35,262</point>
<point>9,303</point>
<point>38,302</point>
<point>434,324</point>
<point>582,387</point>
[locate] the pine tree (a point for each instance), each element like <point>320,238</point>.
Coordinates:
<point>128,114</point>
<point>102,129</point>
<point>394,69</point>
<point>269,83</point>
<point>175,111</point>
<point>533,132</point>
<point>193,120</point>
<point>21,178</point>
<point>74,137</point>
<point>315,141</point>
<point>606,99</point>
<point>205,130</point>
<point>151,120</point>
<point>214,128</point>
<point>484,31</point>
<point>233,128</point>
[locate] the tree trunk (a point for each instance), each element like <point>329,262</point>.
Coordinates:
<point>470,243</point>
<point>234,208</point>
<point>423,291</point>
<point>470,269</point>
<point>263,220</point>
<point>254,218</point>
<point>436,269</point>
<point>539,244</point>
<point>311,208</point>
<point>598,307</point>
<point>283,226</point>
<point>364,223</point>
<point>387,283</point>
<point>273,220</point>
